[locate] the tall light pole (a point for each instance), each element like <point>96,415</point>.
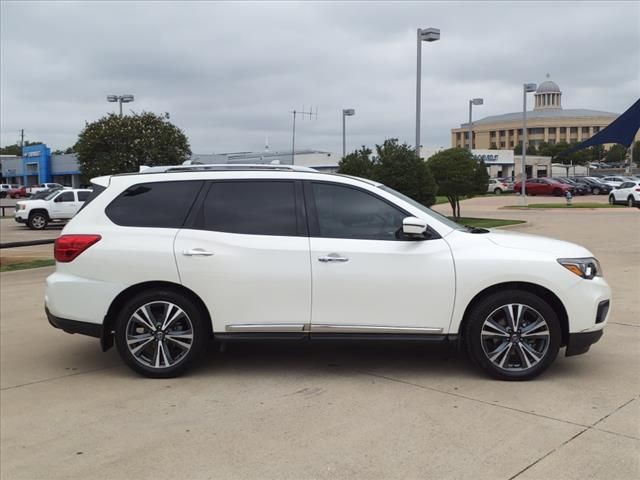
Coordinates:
<point>424,35</point>
<point>347,112</point>
<point>472,102</point>
<point>120,99</point>
<point>526,88</point>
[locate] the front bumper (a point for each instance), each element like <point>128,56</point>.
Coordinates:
<point>580,343</point>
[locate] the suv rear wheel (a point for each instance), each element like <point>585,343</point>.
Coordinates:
<point>513,335</point>
<point>160,333</point>
<point>612,200</point>
<point>38,221</point>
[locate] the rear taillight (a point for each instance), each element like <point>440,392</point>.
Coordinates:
<point>68,247</point>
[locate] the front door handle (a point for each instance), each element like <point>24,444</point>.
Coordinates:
<point>333,257</point>
<point>196,252</point>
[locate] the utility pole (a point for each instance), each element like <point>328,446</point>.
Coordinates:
<point>21,141</point>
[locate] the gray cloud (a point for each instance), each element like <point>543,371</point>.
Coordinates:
<point>229,73</point>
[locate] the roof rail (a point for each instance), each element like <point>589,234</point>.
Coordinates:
<point>222,167</point>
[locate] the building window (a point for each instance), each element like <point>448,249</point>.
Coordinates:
<point>552,142</point>
<point>458,136</point>
<point>585,130</point>
<point>574,129</point>
<point>502,132</point>
<point>493,134</point>
<point>535,131</point>
<point>502,144</point>
<point>519,131</point>
<point>552,130</point>
<point>563,130</point>
<point>511,144</point>
<point>596,129</point>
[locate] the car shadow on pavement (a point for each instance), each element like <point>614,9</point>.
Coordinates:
<point>379,358</point>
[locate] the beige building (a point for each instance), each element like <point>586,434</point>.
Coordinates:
<point>548,122</point>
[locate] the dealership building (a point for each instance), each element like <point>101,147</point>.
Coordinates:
<point>548,122</point>
<point>38,165</point>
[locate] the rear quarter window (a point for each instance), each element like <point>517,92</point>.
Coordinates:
<point>154,204</point>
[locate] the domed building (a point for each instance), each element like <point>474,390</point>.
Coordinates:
<point>547,122</point>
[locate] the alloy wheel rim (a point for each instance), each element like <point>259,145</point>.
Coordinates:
<point>159,334</point>
<point>38,221</point>
<point>515,337</point>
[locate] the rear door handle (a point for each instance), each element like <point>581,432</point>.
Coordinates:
<point>197,252</point>
<point>333,257</point>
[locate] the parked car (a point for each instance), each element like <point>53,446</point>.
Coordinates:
<point>44,193</point>
<point>614,180</point>
<point>627,193</point>
<point>578,189</point>
<point>544,186</point>
<point>508,181</point>
<point>18,191</point>
<point>597,165</point>
<point>58,206</point>
<point>163,261</point>
<point>43,186</point>
<point>497,187</point>
<point>597,187</point>
<point>4,189</point>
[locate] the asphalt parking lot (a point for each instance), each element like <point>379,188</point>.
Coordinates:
<point>289,411</point>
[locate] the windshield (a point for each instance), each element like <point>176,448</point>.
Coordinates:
<point>439,217</point>
<point>51,195</point>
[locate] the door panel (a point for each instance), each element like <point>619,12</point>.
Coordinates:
<point>367,277</point>
<point>248,279</point>
<point>405,285</point>
<point>246,255</point>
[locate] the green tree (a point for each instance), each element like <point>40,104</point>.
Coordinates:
<point>458,174</point>
<point>616,153</point>
<point>115,144</point>
<point>531,149</point>
<point>400,168</point>
<point>636,153</point>
<point>15,149</point>
<point>357,163</point>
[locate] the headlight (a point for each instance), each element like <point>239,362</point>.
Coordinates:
<point>583,267</point>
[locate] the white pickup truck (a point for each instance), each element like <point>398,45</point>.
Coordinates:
<point>44,186</point>
<point>60,205</point>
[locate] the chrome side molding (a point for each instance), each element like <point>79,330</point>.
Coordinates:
<point>266,327</point>
<point>329,328</point>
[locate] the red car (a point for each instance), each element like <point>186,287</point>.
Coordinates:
<point>544,186</point>
<point>17,191</point>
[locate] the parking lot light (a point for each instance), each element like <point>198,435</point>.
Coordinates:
<point>128,98</point>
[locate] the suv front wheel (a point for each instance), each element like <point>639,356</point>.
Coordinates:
<point>513,335</point>
<point>38,221</point>
<point>160,333</point>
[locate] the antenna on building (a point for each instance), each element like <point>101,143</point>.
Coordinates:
<point>304,113</point>
<point>266,143</point>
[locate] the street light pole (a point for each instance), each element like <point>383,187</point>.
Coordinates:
<point>423,35</point>
<point>347,112</point>
<point>120,99</point>
<point>472,102</point>
<point>526,88</point>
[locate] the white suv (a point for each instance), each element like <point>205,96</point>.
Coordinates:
<point>627,193</point>
<point>165,260</point>
<point>58,206</point>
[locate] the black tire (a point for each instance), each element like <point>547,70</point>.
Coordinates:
<point>475,343</point>
<point>194,321</point>
<point>595,191</point>
<point>612,200</point>
<point>498,191</point>
<point>631,202</point>
<point>38,221</point>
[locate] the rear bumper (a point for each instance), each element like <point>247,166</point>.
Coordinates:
<point>74,326</point>
<point>580,343</point>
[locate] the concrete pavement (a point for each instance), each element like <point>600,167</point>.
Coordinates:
<point>290,411</point>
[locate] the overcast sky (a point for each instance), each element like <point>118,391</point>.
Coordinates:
<point>230,73</point>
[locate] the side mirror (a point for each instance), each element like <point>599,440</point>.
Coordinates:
<point>414,226</point>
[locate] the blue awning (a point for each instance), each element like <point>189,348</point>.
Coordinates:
<point>622,130</point>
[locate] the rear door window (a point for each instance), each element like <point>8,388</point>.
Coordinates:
<point>251,207</point>
<point>154,204</point>
<point>82,196</point>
